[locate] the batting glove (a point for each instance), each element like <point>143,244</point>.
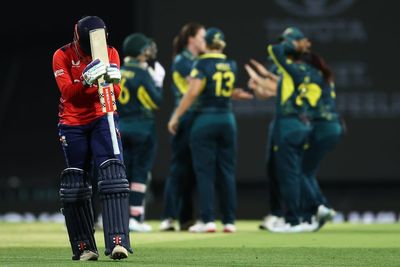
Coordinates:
<point>113,75</point>
<point>93,71</point>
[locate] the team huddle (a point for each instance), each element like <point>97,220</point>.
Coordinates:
<point>203,134</point>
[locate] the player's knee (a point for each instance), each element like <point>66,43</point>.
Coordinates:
<point>112,177</point>
<point>74,185</point>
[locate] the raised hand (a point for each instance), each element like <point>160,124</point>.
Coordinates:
<point>263,70</point>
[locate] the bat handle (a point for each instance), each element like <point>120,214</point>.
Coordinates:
<point>114,140</point>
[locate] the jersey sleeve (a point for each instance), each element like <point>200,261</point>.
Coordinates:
<point>290,77</point>
<point>148,93</point>
<point>198,71</point>
<point>66,84</point>
<point>278,54</point>
<point>180,72</point>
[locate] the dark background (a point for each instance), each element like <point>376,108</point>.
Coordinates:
<point>359,39</point>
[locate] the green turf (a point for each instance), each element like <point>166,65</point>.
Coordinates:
<point>335,245</point>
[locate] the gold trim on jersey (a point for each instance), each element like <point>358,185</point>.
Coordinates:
<point>287,80</point>
<point>145,98</point>
<point>180,82</point>
<point>212,55</point>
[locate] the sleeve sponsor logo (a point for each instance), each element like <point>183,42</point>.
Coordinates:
<point>58,73</point>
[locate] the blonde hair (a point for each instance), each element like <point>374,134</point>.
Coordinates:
<point>217,44</point>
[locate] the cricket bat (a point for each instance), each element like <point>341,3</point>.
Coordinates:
<point>98,45</point>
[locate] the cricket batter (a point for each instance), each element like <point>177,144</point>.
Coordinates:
<point>85,135</point>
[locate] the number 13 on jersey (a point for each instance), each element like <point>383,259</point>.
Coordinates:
<point>224,82</point>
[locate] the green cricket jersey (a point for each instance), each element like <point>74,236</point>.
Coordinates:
<point>289,98</point>
<point>320,95</point>
<point>139,94</point>
<point>218,75</point>
<point>181,68</point>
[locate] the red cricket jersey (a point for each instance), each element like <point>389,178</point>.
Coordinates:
<point>79,104</point>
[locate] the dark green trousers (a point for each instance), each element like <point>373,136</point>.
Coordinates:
<point>274,198</point>
<point>180,184</point>
<point>323,138</point>
<point>290,136</point>
<point>213,146</point>
<point>139,145</point>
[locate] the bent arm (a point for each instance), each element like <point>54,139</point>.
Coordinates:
<point>194,90</point>
<point>67,86</point>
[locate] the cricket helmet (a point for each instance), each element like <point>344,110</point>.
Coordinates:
<point>82,29</point>
<point>292,34</point>
<point>136,44</point>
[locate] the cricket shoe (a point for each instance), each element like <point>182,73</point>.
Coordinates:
<point>310,227</point>
<point>88,255</point>
<point>118,253</point>
<point>201,227</point>
<point>135,226</point>
<point>229,228</point>
<point>271,221</point>
<point>167,225</point>
<point>292,229</point>
<point>324,214</point>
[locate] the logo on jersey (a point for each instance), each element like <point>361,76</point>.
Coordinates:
<point>315,8</point>
<point>76,64</point>
<point>58,73</point>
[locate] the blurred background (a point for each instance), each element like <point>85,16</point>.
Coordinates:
<point>358,39</point>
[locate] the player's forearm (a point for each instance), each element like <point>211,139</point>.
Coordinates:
<point>195,87</point>
<point>186,102</point>
<point>72,90</point>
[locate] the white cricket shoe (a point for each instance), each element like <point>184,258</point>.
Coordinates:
<point>136,226</point>
<point>167,225</point>
<point>88,255</point>
<point>324,214</point>
<point>118,253</point>
<point>201,227</point>
<point>271,221</point>
<point>310,227</point>
<point>291,229</point>
<point>229,228</point>
<point>286,228</point>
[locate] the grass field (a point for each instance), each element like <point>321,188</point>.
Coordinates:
<point>335,245</point>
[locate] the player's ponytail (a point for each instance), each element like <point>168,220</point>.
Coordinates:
<point>319,63</point>
<point>181,40</point>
